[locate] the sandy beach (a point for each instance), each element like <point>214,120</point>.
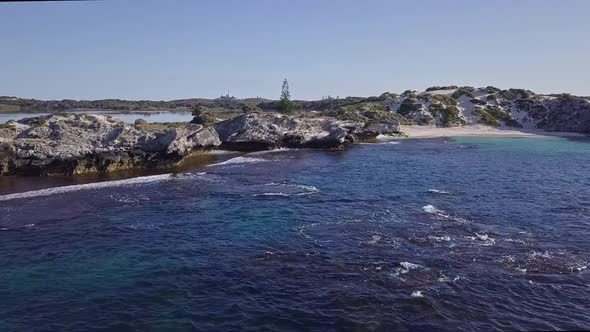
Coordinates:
<point>480,130</point>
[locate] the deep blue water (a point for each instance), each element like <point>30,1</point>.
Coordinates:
<point>445,234</point>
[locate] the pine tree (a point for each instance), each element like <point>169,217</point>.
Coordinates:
<point>286,105</point>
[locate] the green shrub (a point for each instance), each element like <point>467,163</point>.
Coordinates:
<point>202,116</point>
<point>492,114</point>
<point>447,87</point>
<point>462,92</point>
<point>250,108</point>
<point>476,101</point>
<point>491,97</point>
<point>347,115</point>
<point>435,109</point>
<point>498,113</point>
<point>388,95</point>
<point>492,89</point>
<point>444,99</point>
<point>408,106</point>
<point>409,94</point>
<point>205,118</point>
<point>486,118</point>
<point>450,116</point>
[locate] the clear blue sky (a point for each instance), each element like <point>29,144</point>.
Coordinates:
<point>171,49</point>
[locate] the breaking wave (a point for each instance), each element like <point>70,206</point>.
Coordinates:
<point>438,191</point>
<point>442,214</point>
<point>88,186</point>
<point>240,160</point>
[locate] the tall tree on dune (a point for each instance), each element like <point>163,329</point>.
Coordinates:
<point>286,105</point>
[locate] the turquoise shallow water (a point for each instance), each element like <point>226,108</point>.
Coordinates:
<point>445,234</point>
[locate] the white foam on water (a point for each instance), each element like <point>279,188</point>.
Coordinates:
<point>240,160</point>
<point>483,238</point>
<point>381,143</point>
<point>417,294</point>
<point>545,254</point>
<point>258,153</point>
<point>578,268</point>
<point>406,267</point>
<point>444,238</point>
<point>430,209</point>
<point>438,191</point>
<point>375,239</point>
<point>88,186</point>
<point>274,194</point>
<point>307,190</point>
<point>442,214</point>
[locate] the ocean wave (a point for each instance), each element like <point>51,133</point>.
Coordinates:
<point>438,191</point>
<point>544,262</point>
<point>483,238</point>
<point>88,186</point>
<point>258,153</point>
<point>239,161</point>
<point>444,238</point>
<point>406,267</point>
<point>300,190</point>
<point>417,294</point>
<point>442,214</point>
<point>380,143</point>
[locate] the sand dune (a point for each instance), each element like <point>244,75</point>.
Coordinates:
<point>479,130</point>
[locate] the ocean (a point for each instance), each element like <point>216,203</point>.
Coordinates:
<point>447,234</point>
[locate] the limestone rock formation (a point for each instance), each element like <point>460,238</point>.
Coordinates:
<point>79,143</point>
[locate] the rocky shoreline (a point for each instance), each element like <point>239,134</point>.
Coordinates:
<point>73,144</point>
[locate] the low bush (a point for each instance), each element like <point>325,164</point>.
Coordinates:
<point>446,87</point>
<point>476,101</point>
<point>408,106</point>
<point>444,99</point>
<point>450,116</point>
<point>462,92</point>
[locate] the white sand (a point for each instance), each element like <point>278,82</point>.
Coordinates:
<point>479,130</point>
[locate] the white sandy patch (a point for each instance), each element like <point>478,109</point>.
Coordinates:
<point>440,92</point>
<point>479,130</point>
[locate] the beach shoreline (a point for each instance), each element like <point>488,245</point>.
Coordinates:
<point>414,131</point>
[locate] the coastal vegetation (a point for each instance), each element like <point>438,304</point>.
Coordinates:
<point>448,107</point>
<point>202,116</point>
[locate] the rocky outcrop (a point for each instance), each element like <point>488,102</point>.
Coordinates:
<point>269,131</point>
<point>77,144</point>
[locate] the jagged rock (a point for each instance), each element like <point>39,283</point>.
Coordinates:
<point>75,144</point>
<point>268,131</point>
<point>375,129</point>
